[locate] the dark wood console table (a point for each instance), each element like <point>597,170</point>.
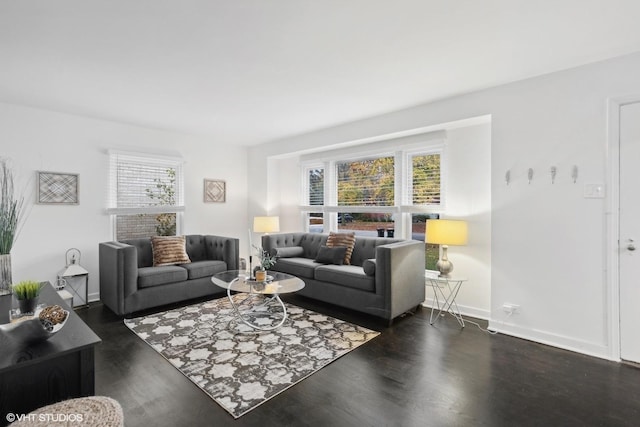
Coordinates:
<point>35,375</point>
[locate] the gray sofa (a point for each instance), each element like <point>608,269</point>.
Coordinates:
<point>385,278</point>
<point>129,282</point>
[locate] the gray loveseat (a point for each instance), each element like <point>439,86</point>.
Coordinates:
<point>129,282</point>
<point>385,278</point>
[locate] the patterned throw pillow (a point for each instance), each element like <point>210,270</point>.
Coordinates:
<point>169,250</point>
<point>347,240</point>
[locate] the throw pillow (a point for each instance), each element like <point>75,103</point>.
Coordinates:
<point>169,250</point>
<point>348,240</point>
<point>288,252</point>
<point>369,267</point>
<point>328,255</point>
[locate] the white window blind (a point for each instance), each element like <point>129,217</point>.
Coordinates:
<point>144,184</point>
<point>368,182</point>
<point>315,186</point>
<point>425,179</point>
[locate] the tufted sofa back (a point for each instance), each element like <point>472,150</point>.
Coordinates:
<point>364,248</point>
<point>199,248</point>
<point>144,250</point>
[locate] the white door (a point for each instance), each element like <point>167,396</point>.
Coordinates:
<point>629,238</point>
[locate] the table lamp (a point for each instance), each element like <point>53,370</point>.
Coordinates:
<point>266,224</point>
<point>446,232</point>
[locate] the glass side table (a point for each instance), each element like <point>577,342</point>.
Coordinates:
<point>445,291</point>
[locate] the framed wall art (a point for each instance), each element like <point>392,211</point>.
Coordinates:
<point>57,188</point>
<point>215,191</point>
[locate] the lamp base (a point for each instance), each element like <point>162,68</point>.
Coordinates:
<point>444,266</point>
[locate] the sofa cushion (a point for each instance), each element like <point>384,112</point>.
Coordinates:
<point>287,252</point>
<point>198,269</point>
<point>369,267</point>
<point>327,255</point>
<point>347,240</point>
<point>155,276</point>
<point>300,267</point>
<point>350,276</point>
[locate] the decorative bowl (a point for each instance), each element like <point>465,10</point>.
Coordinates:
<point>44,323</point>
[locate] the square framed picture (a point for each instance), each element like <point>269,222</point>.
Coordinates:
<point>215,191</point>
<point>57,188</point>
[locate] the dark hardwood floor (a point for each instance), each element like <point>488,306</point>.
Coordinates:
<point>413,374</point>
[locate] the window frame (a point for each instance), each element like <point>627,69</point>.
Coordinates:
<point>403,206</point>
<point>174,162</point>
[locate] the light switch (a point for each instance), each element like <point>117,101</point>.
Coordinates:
<point>594,191</point>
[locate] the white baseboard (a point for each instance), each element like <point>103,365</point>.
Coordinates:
<point>464,310</point>
<point>564,342</point>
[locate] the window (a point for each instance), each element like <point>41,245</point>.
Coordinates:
<point>315,184</point>
<point>314,195</point>
<point>425,179</point>
<point>368,182</point>
<point>376,194</point>
<point>418,228</point>
<point>146,195</point>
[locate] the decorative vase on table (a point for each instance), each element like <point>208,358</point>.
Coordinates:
<point>28,305</point>
<point>5,274</point>
<point>261,275</point>
<point>27,293</point>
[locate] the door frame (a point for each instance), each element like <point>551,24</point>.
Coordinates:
<point>612,218</point>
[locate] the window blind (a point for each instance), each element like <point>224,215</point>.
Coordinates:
<point>425,179</point>
<point>368,182</point>
<point>144,184</point>
<point>315,184</point>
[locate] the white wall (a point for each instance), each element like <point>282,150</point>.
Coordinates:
<point>469,198</point>
<point>42,140</point>
<point>547,241</point>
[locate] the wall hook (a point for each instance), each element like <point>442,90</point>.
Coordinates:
<point>530,175</point>
<point>507,176</point>
<point>554,171</point>
<point>574,173</point>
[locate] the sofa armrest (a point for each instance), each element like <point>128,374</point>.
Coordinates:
<point>225,249</point>
<point>399,275</point>
<point>118,274</point>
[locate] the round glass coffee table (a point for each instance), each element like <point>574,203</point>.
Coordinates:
<point>258,300</point>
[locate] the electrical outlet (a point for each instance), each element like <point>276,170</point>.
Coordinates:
<point>510,308</point>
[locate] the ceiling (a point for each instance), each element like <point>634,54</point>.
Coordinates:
<point>251,71</point>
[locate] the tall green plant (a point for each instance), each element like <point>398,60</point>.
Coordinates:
<point>10,208</point>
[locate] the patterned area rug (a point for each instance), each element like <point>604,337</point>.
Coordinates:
<point>241,368</point>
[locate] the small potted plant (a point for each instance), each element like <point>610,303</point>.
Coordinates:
<point>266,262</point>
<point>27,293</point>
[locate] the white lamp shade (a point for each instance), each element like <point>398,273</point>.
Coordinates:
<point>446,232</point>
<point>266,224</point>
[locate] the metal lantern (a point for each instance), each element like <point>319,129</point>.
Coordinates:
<point>72,275</point>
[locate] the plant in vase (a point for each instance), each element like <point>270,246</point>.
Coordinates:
<point>27,293</point>
<point>10,213</point>
<point>266,262</point>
